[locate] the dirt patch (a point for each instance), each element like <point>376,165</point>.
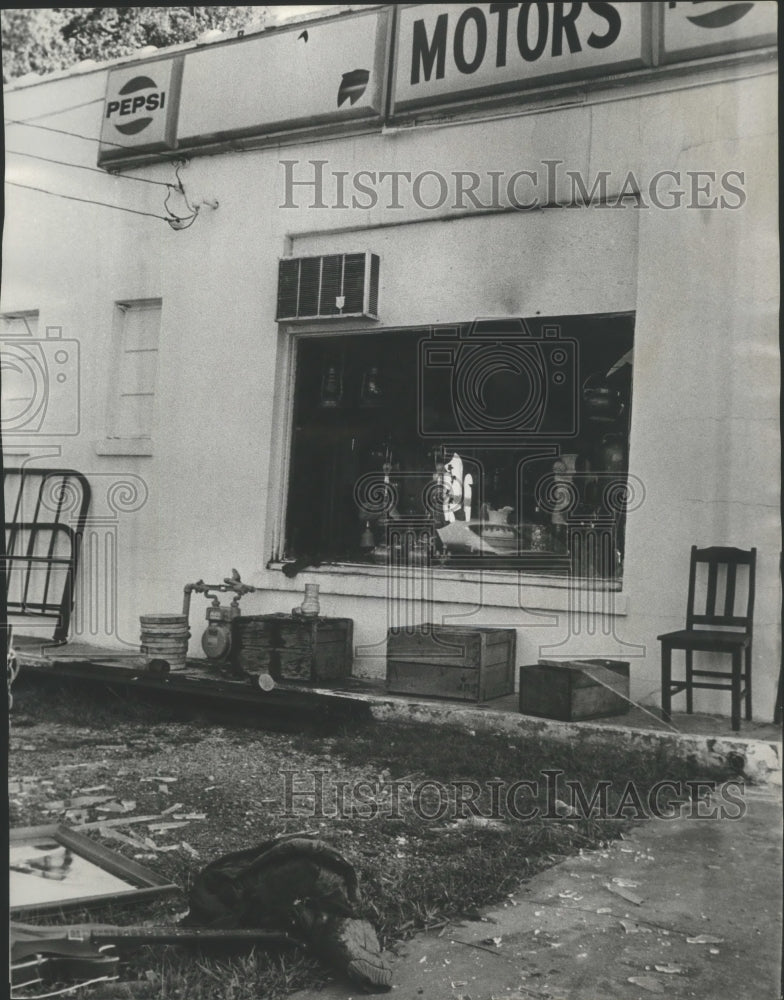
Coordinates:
<point>424,857</point>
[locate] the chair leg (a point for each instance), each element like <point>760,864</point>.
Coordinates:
<point>748,683</point>
<point>666,680</point>
<point>736,676</point>
<point>689,689</point>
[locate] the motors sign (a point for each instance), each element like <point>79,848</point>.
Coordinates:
<point>450,52</point>
<point>707,28</point>
<point>140,109</point>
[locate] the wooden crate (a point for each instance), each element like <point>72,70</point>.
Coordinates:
<point>318,649</point>
<point>254,643</point>
<point>468,662</point>
<point>566,692</point>
<point>294,649</point>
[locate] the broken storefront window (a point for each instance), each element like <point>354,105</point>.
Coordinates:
<point>498,443</point>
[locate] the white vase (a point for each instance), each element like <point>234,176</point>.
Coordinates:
<point>310,606</point>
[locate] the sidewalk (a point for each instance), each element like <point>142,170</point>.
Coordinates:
<point>566,936</point>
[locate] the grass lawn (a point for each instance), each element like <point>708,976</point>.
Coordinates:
<point>424,860</point>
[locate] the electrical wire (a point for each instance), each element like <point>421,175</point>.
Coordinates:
<point>192,208</point>
<point>175,221</point>
<point>62,131</point>
<point>178,187</point>
<point>94,170</point>
<point>103,204</point>
<point>60,111</point>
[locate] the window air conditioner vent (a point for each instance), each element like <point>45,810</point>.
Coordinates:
<point>328,287</point>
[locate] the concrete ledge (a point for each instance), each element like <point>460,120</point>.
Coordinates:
<point>759,761</point>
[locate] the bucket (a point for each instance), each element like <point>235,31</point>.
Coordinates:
<point>165,637</point>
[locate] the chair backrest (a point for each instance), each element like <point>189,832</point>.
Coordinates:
<point>721,578</point>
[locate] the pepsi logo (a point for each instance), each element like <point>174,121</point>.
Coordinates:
<point>352,86</point>
<point>720,16</point>
<point>135,100</point>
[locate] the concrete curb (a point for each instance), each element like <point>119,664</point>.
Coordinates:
<point>758,761</point>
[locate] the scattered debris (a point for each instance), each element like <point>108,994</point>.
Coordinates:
<point>477,823</point>
<point>77,816</point>
<point>70,767</point>
<point>118,806</point>
<point>647,983</point>
<point>481,947</point>
<point>123,838</point>
<point>669,968</point>
<point>118,821</point>
<point>626,894</point>
<point>82,801</point>
<point>704,939</point>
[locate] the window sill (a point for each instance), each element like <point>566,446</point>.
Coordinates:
<point>491,588</point>
<point>143,447</point>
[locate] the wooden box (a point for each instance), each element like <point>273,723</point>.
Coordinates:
<point>319,649</point>
<point>566,692</point>
<point>468,662</point>
<point>294,649</point>
<point>254,643</point>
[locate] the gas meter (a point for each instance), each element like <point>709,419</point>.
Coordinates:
<point>216,640</point>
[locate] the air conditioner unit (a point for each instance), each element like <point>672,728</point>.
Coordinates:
<point>328,287</point>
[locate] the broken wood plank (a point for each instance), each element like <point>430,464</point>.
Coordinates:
<point>120,821</point>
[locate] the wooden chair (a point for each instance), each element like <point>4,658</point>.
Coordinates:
<point>714,631</point>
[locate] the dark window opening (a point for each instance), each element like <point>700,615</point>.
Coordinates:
<point>500,444</point>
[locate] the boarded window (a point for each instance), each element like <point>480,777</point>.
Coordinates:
<point>132,394</point>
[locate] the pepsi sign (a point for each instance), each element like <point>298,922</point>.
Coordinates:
<point>712,27</point>
<point>140,109</point>
<point>285,79</point>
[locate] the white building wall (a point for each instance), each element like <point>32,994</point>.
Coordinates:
<point>703,284</point>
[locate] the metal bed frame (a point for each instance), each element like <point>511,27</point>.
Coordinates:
<point>47,509</point>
